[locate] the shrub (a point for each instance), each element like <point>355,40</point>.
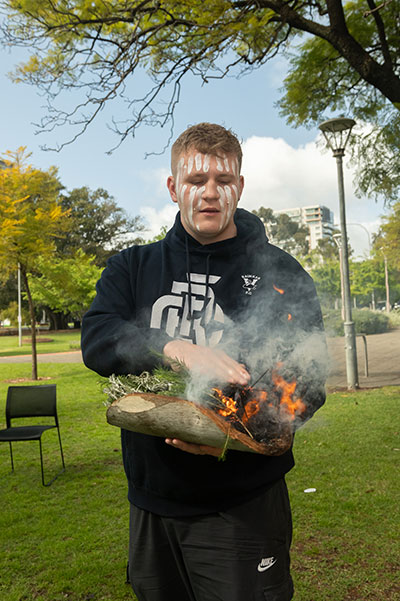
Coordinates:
<point>365,322</point>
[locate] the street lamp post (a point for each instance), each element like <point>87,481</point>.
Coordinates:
<point>338,239</point>
<point>19,308</point>
<point>387,284</point>
<point>336,133</point>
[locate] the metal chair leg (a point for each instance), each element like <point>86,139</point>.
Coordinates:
<point>61,449</point>
<point>41,463</point>
<point>11,456</point>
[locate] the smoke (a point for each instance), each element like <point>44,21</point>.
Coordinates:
<point>276,352</point>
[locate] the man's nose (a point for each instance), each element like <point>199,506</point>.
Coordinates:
<point>211,191</point>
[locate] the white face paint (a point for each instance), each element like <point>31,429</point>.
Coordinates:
<point>199,161</point>
<point>220,166</point>
<point>207,190</point>
<point>235,166</point>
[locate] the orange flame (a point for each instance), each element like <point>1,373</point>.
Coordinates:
<point>292,407</point>
<point>252,408</point>
<point>227,401</point>
<point>289,405</point>
<point>289,316</point>
<point>280,290</point>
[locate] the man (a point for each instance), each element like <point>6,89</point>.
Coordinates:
<point>215,296</point>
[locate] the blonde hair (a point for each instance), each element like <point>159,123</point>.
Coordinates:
<point>207,138</point>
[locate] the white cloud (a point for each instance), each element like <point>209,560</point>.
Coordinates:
<point>155,218</point>
<point>280,176</point>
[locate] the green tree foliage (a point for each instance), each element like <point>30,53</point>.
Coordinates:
<point>387,242</point>
<point>11,312</point>
<point>99,226</point>
<point>347,61</point>
<point>284,232</point>
<point>322,79</point>
<point>367,277</point>
<point>67,285</point>
<point>326,278</point>
<point>31,218</point>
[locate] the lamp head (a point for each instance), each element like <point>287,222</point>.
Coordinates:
<point>337,132</point>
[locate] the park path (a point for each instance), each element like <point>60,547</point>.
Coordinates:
<point>67,357</point>
<point>383,360</point>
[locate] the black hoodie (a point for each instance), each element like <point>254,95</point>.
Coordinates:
<point>252,299</point>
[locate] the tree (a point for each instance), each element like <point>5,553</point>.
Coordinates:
<point>387,241</point>
<point>99,226</point>
<point>67,285</point>
<point>11,312</point>
<point>326,278</point>
<point>367,278</point>
<point>348,59</point>
<point>284,231</point>
<point>31,218</point>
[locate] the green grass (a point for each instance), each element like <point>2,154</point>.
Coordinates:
<point>70,541</point>
<point>60,342</point>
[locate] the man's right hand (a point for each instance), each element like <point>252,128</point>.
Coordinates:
<point>211,362</point>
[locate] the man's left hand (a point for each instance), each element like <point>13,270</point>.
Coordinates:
<point>195,449</point>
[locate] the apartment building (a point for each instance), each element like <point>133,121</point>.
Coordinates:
<point>318,218</point>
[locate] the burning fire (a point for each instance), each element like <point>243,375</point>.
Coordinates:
<point>246,402</point>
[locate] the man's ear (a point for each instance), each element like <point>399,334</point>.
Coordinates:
<point>241,185</point>
<point>171,188</point>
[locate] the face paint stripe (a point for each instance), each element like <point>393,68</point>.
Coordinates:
<point>199,161</point>
<point>219,164</point>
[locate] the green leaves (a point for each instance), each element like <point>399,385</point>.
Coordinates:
<point>67,285</point>
<point>348,62</point>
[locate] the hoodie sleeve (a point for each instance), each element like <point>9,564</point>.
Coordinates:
<point>114,338</point>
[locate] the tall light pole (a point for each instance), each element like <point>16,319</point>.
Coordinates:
<point>338,239</point>
<point>337,133</point>
<point>387,284</point>
<point>19,308</point>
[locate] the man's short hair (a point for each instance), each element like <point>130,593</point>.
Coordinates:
<point>207,138</point>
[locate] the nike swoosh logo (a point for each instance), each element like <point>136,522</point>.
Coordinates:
<point>262,568</point>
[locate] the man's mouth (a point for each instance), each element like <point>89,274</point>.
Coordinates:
<point>209,210</point>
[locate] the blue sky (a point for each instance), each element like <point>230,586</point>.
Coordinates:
<point>282,166</point>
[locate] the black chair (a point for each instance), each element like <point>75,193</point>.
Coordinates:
<point>31,401</point>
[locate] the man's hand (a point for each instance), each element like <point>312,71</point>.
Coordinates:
<point>213,363</point>
<point>195,449</point>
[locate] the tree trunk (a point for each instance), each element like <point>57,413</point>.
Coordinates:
<point>172,417</point>
<point>58,321</point>
<point>33,324</point>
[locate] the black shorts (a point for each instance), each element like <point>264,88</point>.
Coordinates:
<point>241,554</point>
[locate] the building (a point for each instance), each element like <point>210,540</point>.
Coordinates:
<point>318,219</point>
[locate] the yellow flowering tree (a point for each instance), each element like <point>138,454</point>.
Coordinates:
<point>31,218</point>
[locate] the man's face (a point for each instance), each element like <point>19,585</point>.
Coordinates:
<point>207,189</point>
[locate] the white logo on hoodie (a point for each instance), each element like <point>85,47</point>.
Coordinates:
<point>186,312</point>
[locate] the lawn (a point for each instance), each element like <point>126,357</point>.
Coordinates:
<point>48,342</point>
<point>69,541</point>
